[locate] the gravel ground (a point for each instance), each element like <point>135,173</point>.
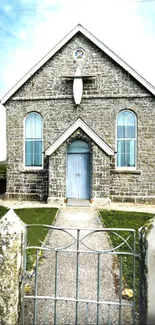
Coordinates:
<point>77,218</point>
<point>110,206</point>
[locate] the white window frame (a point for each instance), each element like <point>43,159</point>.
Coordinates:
<point>127,168</point>
<point>24,156</point>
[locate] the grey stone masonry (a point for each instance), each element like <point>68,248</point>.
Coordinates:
<point>99,174</point>
<point>147,273</point>
<point>49,93</point>
<point>12,231</point>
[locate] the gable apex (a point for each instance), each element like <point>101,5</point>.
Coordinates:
<point>93,39</point>
<point>79,123</point>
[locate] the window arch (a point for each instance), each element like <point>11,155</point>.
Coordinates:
<point>33,140</point>
<point>126,139</point>
<point>78,146</point>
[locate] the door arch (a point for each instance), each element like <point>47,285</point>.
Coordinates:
<point>78,170</point>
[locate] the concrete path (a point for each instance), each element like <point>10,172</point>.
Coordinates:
<point>66,273</point>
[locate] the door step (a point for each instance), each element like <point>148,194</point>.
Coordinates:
<point>78,203</point>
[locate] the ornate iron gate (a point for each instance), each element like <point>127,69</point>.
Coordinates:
<point>78,277</point>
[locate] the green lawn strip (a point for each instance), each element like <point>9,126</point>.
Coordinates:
<point>130,220</point>
<point>37,216</point>
<point>3,211</point>
<point>36,234</point>
<point>2,168</point>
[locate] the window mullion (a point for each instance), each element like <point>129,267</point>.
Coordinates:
<point>33,152</point>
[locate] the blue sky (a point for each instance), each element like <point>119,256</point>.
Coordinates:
<point>30,28</point>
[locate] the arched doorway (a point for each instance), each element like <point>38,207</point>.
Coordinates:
<point>78,170</point>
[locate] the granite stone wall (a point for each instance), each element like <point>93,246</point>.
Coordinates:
<point>100,174</point>
<point>99,170</point>
<point>110,90</point>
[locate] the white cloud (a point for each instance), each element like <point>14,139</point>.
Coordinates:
<point>7,8</point>
<point>22,35</point>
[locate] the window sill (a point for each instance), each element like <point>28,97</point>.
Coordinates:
<point>33,171</point>
<point>126,171</point>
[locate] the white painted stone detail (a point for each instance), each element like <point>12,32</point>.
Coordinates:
<point>77,87</point>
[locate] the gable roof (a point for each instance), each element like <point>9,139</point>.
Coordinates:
<point>82,125</point>
<point>97,42</point>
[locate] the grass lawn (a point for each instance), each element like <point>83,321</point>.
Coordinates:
<point>3,210</point>
<point>130,220</point>
<point>38,216</point>
<point>2,168</point>
<point>35,233</point>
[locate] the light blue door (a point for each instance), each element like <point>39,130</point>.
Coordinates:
<point>78,170</point>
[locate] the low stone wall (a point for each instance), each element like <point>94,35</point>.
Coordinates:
<point>27,185</point>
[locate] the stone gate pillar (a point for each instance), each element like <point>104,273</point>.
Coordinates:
<point>12,231</point>
<point>147,273</point>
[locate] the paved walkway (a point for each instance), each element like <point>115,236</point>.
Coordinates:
<point>66,274</point>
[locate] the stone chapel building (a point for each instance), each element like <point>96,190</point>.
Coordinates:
<point>81,125</point>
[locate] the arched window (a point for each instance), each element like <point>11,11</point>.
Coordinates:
<point>126,139</point>
<point>33,140</point>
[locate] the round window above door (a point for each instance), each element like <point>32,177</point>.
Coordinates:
<point>79,53</point>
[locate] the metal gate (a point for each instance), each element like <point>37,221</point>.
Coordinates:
<point>78,277</point>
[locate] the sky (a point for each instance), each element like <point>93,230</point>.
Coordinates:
<point>30,28</point>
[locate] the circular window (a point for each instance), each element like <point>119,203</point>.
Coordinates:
<point>79,53</point>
